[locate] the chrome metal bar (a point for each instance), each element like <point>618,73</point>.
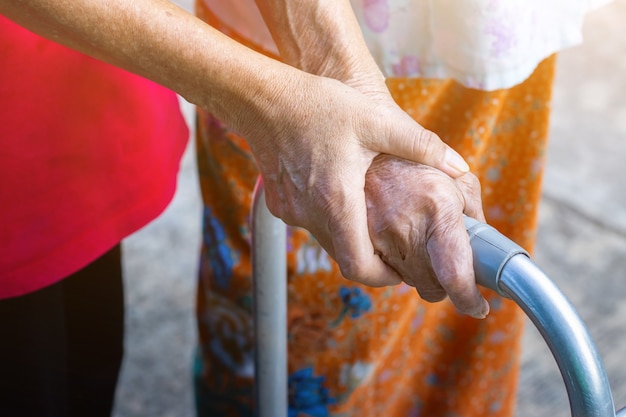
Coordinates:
<point>269,269</point>
<point>504,267</point>
<point>565,333</point>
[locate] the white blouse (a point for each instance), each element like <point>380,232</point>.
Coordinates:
<point>483,44</point>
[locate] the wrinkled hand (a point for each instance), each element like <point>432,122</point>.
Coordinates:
<point>313,158</point>
<point>415,216</point>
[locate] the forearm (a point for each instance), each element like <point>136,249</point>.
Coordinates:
<point>320,37</point>
<point>162,42</point>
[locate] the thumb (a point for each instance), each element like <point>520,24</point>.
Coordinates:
<point>411,141</point>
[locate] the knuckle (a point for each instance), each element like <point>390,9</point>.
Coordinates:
<point>439,192</point>
<point>355,271</point>
<point>472,185</point>
<point>445,226</point>
<point>351,270</point>
<point>424,145</point>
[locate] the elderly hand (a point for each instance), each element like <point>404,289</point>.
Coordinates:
<point>415,216</point>
<point>313,158</point>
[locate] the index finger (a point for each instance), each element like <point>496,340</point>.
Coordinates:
<point>452,261</point>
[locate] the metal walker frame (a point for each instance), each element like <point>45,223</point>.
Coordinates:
<point>499,264</point>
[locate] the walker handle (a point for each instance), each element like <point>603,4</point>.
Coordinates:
<point>503,266</point>
<point>499,264</point>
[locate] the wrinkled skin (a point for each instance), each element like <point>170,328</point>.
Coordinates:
<point>415,216</point>
<point>314,173</point>
<point>314,156</point>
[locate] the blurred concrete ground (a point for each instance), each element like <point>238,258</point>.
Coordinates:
<point>581,243</point>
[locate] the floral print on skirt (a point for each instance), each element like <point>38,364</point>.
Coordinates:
<point>359,351</point>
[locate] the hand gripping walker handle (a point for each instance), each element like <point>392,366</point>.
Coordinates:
<point>499,264</point>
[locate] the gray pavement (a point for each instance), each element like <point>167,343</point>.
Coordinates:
<point>581,244</point>
<point>582,231</point>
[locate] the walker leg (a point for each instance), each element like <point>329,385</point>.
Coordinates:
<point>269,269</point>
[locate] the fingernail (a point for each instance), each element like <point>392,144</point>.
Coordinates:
<point>484,311</point>
<point>456,161</point>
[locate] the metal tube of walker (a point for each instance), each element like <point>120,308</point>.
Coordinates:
<point>269,271</point>
<point>504,267</point>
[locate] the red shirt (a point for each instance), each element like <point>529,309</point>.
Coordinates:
<point>88,154</point>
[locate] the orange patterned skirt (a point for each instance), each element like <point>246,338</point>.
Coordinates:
<point>359,351</point>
